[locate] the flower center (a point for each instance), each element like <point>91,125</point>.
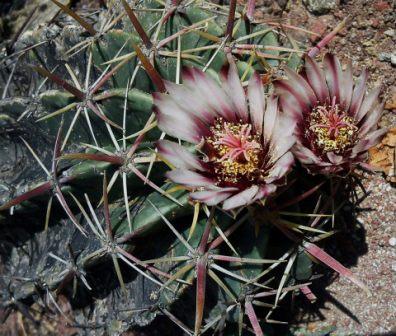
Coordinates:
<point>331,129</point>
<point>234,151</point>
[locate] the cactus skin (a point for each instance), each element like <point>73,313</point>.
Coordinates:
<point>68,254</point>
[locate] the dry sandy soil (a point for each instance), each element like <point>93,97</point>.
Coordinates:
<point>368,40</point>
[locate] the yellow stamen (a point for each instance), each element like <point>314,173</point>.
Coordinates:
<point>236,151</point>
<point>332,130</point>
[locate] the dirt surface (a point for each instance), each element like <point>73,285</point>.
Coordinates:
<point>376,313</point>
<point>369,41</point>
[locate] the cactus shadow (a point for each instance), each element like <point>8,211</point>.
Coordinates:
<point>347,246</point>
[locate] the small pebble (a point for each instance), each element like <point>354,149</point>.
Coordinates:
<point>387,57</point>
<point>384,57</point>
<point>320,7</point>
<point>390,32</point>
<point>393,59</point>
<point>392,241</point>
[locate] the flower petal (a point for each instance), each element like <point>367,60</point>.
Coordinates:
<point>178,156</point>
<point>264,191</point>
<point>282,137</point>
<point>369,141</point>
<point>289,105</point>
<point>245,197</point>
<point>346,87</point>
<point>306,156</point>
<point>189,178</point>
<point>203,85</point>
<point>280,168</point>
<point>301,86</point>
<point>233,87</point>
<point>369,102</point>
<point>175,121</point>
<point>358,94</point>
<point>212,197</point>
<point>333,74</point>
<point>371,120</point>
<point>282,146</point>
<point>178,129</point>
<point>270,118</point>
<point>284,88</point>
<point>334,158</point>
<point>316,79</point>
<point>192,100</point>
<point>256,102</point>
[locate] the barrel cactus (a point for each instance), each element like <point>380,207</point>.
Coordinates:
<point>90,208</point>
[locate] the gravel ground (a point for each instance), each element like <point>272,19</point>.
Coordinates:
<point>369,41</point>
<point>346,307</point>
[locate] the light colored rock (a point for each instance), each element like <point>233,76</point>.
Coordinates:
<point>390,32</point>
<point>320,6</point>
<point>384,57</point>
<point>393,59</point>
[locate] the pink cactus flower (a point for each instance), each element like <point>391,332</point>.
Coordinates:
<point>336,119</point>
<point>241,141</point>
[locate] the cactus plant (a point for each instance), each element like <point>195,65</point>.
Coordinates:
<point>99,222</point>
